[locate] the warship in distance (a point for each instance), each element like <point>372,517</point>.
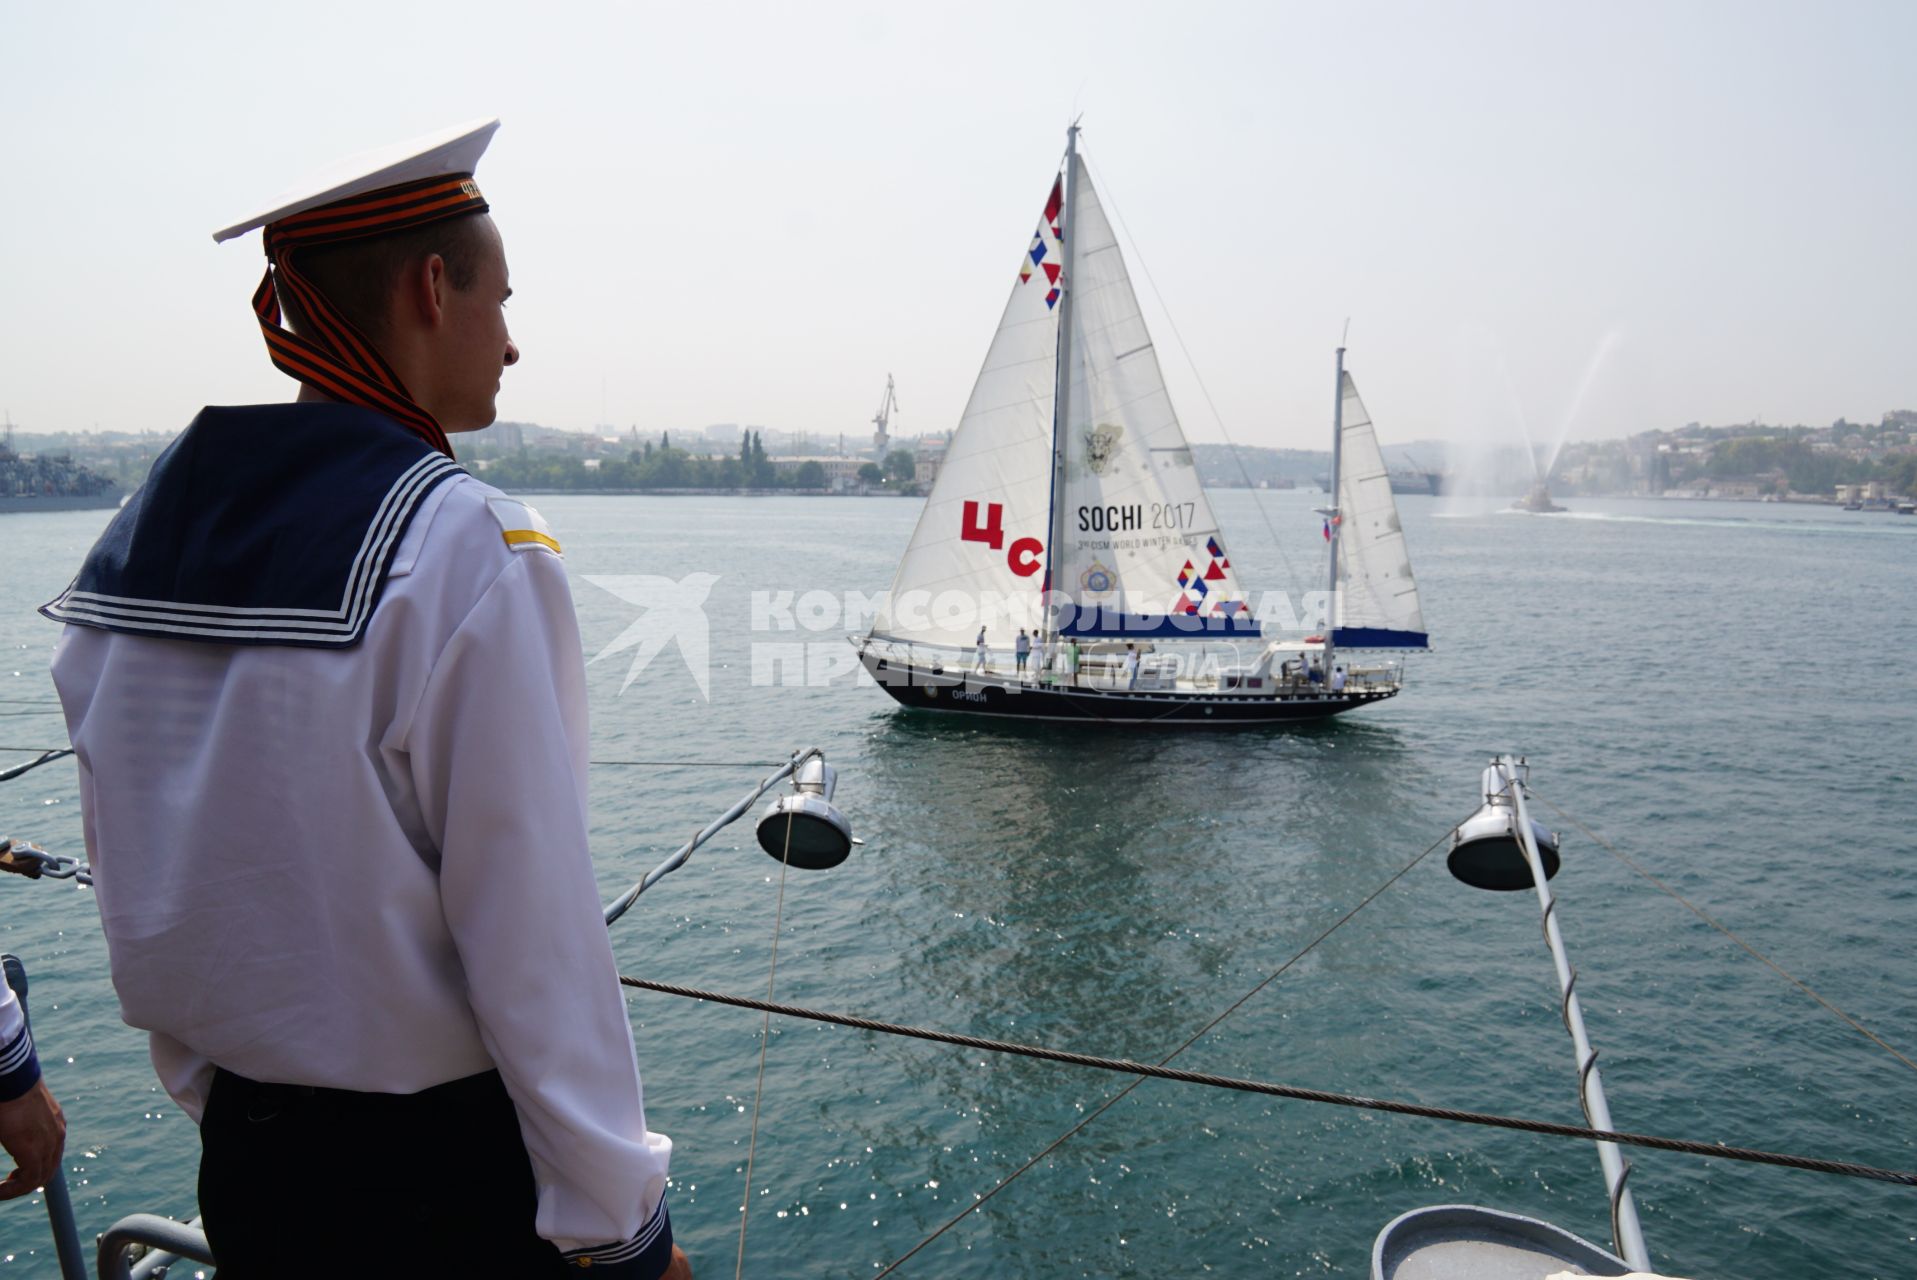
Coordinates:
<point>49,482</point>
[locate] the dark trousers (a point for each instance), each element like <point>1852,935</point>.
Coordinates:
<point>298,1182</point>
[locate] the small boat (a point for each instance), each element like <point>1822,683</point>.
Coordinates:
<point>1067,564</point>
<point>1538,501</point>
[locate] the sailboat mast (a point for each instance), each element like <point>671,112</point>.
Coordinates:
<point>1062,384</point>
<point>1337,513</point>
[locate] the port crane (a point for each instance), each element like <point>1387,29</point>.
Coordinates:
<point>888,405</point>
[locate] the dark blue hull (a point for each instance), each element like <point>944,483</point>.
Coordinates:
<point>939,689</point>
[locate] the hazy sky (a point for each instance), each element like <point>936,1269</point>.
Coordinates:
<point>1617,215</point>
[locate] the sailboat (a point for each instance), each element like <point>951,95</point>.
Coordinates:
<point>1067,565</point>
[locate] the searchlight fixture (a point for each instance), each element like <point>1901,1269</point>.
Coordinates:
<point>1485,850</point>
<point>804,829</point>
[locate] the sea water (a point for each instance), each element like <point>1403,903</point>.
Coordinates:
<point>1726,692</point>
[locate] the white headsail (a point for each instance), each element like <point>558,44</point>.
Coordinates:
<point>1377,598</point>
<point>977,554</point>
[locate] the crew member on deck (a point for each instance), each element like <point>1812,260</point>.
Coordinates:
<point>32,1130</point>
<point>326,695</point>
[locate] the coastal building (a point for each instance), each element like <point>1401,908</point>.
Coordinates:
<point>841,472</point>
<point>931,456</point>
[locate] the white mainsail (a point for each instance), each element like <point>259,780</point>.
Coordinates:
<point>1376,602</point>
<point>1139,553</point>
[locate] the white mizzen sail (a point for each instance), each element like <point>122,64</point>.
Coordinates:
<point>976,556</point>
<point>1139,553</point>
<point>1376,605</point>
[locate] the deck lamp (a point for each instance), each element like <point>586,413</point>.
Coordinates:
<point>1485,851</point>
<point>819,836</point>
<point>804,829</point>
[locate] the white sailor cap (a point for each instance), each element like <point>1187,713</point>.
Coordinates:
<point>447,153</point>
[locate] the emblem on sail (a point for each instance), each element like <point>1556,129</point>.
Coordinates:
<point>1101,447</point>
<point>1097,580</point>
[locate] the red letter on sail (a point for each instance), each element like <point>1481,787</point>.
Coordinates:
<point>1023,557</point>
<point>992,532</point>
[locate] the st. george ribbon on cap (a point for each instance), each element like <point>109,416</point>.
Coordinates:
<point>375,193</point>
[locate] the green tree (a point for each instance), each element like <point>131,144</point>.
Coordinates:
<point>1902,469</point>
<point>901,466</point>
<point>669,469</point>
<point>811,476</point>
<point>1746,457</point>
<point>870,474</point>
<point>760,473</point>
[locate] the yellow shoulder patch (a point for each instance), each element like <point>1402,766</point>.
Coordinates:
<point>518,538</point>
<point>521,526</point>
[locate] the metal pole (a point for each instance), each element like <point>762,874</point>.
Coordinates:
<point>1062,379</point>
<point>1336,516</point>
<point>619,905</point>
<point>1626,1232</point>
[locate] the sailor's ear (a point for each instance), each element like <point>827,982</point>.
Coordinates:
<point>423,288</point>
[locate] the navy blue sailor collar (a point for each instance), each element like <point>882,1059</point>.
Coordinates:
<point>260,524</point>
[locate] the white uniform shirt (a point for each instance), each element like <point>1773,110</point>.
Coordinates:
<point>18,1066</point>
<point>367,868</point>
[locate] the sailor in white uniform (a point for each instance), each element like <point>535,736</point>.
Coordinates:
<point>326,694</point>
<point>31,1127</point>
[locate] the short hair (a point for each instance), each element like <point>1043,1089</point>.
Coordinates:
<point>358,276</point>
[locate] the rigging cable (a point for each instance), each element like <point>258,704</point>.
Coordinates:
<point>1706,917</point>
<point>1138,254</point>
<point>46,757</point>
<point>1125,1066</point>
<point>686,764</point>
